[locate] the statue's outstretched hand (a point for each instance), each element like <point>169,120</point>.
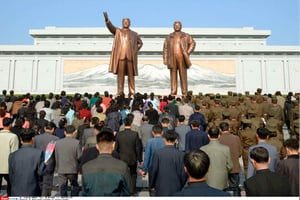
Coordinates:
<point>105,16</point>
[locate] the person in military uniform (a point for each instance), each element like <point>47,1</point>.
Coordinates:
<point>272,119</point>
<point>248,138</point>
<point>295,120</point>
<point>256,121</point>
<point>274,140</point>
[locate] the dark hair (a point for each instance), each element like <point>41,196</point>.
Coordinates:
<point>259,154</point>
<point>195,123</point>
<point>157,129</point>
<point>128,121</point>
<point>224,126</point>
<point>197,107</point>
<point>27,134</point>
<point>47,104</point>
<point>181,118</point>
<point>165,120</point>
<point>7,121</point>
<point>291,144</point>
<point>95,120</point>
<point>197,163</point>
<point>213,132</point>
<point>42,114</point>
<point>262,133</point>
<point>98,127</point>
<point>62,122</point>
<point>170,135</point>
<point>105,135</point>
<point>50,126</point>
<point>70,129</point>
<point>99,109</point>
<point>145,118</point>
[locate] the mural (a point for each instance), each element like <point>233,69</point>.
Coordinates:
<point>204,76</point>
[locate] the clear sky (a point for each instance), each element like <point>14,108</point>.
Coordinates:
<point>279,16</point>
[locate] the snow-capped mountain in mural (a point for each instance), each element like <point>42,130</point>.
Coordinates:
<point>151,78</point>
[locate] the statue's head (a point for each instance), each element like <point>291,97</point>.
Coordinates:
<point>126,23</point>
<point>177,26</point>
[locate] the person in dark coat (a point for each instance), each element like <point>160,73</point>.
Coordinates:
<point>196,164</point>
<point>26,166</point>
<point>195,138</point>
<point>105,175</point>
<point>166,173</point>
<point>130,148</point>
<point>265,182</point>
<point>198,116</point>
<point>290,166</point>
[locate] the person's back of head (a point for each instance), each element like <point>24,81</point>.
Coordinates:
<point>195,124</point>
<point>224,126</point>
<point>95,120</point>
<point>27,135</point>
<point>262,133</point>
<point>105,141</point>
<point>62,122</point>
<point>42,114</point>
<point>291,144</point>
<point>170,136</point>
<point>181,118</point>
<point>7,122</point>
<point>47,104</point>
<point>166,109</point>
<point>213,132</point>
<point>70,129</point>
<point>128,121</point>
<point>259,155</point>
<point>196,163</point>
<point>197,107</point>
<point>157,130</point>
<point>50,127</point>
<point>145,118</point>
<point>165,121</point>
<point>99,109</point>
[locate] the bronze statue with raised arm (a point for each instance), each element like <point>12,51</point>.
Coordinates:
<point>176,51</point>
<point>123,60</point>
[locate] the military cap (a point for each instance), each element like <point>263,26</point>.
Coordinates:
<point>226,113</point>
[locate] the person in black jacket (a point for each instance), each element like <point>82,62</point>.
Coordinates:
<point>196,165</point>
<point>130,149</point>
<point>265,182</point>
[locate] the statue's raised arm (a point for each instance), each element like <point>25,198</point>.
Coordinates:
<point>105,16</point>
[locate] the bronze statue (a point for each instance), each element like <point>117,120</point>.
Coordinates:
<point>123,59</point>
<point>177,48</point>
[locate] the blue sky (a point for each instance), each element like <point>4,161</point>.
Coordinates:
<point>279,16</point>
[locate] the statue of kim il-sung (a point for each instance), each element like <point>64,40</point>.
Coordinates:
<point>177,48</point>
<point>125,48</point>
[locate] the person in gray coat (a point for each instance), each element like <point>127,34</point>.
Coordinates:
<point>26,166</point>
<point>67,155</point>
<point>40,142</point>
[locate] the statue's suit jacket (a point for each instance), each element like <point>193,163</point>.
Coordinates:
<point>187,47</point>
<point>135,44</point>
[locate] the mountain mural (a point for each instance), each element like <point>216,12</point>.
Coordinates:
<point>151,78</point>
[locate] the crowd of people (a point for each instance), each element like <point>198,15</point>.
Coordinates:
<point>173,140</point>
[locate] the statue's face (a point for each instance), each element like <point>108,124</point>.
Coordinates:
<point>177,26</point>
<point>126,23</point>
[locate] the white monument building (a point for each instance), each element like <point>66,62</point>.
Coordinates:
<point>77,59</point>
